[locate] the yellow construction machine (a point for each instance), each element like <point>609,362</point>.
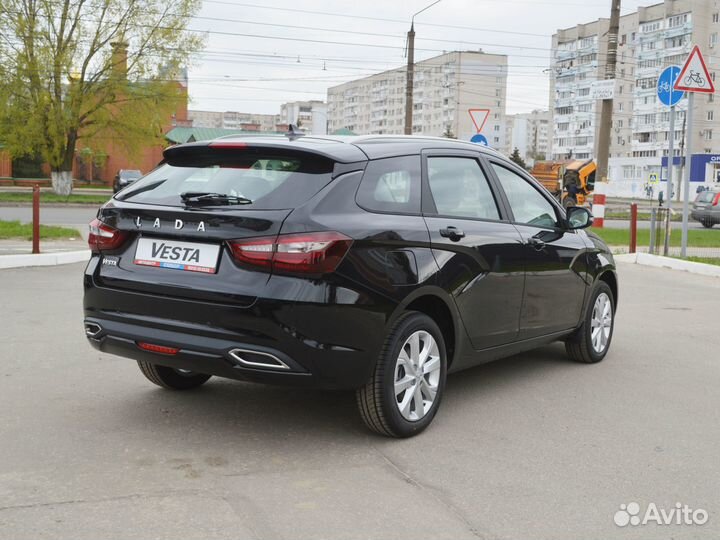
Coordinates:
<point>570,181</point>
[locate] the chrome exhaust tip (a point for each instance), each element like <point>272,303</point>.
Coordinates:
<point>256,359</point>
<point>92,329</point>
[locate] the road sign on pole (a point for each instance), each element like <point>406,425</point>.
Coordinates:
<point>665,87</point>
<point>695,76</point>
<point>479,117</point>
<point>479,138</point>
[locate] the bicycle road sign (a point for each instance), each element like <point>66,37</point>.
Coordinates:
<point>694,76</point>
<point>666,94</point>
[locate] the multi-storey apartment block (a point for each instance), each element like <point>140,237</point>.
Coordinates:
<point>445,88</point>
<point>650,40</point>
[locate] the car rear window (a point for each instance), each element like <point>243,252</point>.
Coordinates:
<point>271,182</point>
<point>706,196</point>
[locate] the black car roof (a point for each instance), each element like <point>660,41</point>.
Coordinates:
<point>343,148</point>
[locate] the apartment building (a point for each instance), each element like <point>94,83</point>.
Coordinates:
<point>445,88</point>
<point>236,120</point>
<point>650,39</point>
<point>310,116</point>
<point>531,134</point>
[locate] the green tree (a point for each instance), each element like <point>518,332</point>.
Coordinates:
<point>89,69</point>
<point>515,156</point>
<point>448,134</point>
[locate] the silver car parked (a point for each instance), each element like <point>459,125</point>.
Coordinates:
<point>706,208</point>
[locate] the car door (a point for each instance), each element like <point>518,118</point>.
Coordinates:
<point>554,258</point>
<point>476,248</point>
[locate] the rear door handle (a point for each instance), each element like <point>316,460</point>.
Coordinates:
<point>453,233</point>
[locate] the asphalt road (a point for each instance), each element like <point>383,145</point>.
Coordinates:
<point>529,447</point>
<point>625,224</point>
<point>77,217</point>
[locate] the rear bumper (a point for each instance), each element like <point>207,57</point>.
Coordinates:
<point>316,345</point>
<point>705,215</point>
<point>213,356</point>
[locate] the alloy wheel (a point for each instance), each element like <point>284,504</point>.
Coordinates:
<point>417,375</point>
<point>601,323</point>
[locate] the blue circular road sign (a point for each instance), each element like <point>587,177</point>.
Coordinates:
<point>665,91</point>
<point>479,138</point>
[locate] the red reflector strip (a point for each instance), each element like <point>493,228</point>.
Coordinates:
<point>157,348</point>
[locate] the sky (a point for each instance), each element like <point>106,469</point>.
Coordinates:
<point>262,53</point>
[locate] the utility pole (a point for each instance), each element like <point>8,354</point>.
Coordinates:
<point>681,175</point>
<point>605,132</point>
<point>410,79</point>
<point>411,71</point>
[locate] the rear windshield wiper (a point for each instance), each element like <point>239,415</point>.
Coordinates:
<point>201,197</point>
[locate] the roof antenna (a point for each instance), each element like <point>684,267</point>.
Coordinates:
<point>293,132</point>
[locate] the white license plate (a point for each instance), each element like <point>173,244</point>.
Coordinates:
<point>187,256</point>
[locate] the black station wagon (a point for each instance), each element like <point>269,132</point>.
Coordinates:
<point>376,264</point>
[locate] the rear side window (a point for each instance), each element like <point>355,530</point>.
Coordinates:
<point>706,196</point>
<point>271,182</point>
<point>391,185</point>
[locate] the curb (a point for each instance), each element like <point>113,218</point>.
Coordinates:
<point>44,259</point>
<point>658,261</point>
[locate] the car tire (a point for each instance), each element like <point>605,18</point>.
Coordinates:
<point>707,224</point>
<point>170,378</point>
<point>585,345</point>
<point>404,413</point>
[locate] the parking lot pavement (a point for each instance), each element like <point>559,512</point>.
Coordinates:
<point>77,217</point>
<point>529,447</point>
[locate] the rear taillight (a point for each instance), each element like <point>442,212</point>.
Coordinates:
<point>306,253</point>
<point>103,237</point>
<point>716,200</point>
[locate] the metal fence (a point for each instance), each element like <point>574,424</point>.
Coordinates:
<point>666,237</point>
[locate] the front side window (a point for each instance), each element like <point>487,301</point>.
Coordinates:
<point>460,188</point>
<point>527,204</point>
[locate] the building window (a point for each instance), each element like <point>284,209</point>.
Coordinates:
<point>646,83</point>
<point>713,39</point>
<point>650,26</point>
<point>677,41</point>
<point>628,172</point>
<point>715,17</point>
<point>710,115</point>
<point>678,20</point>
<point>708,134</point>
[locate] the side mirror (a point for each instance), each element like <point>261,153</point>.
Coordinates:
<point>578,217</point>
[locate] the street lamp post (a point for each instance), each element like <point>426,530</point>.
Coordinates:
<point>411,70</point>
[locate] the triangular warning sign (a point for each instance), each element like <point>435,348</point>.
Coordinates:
<point>694,76</point>
<point>479,117</point>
